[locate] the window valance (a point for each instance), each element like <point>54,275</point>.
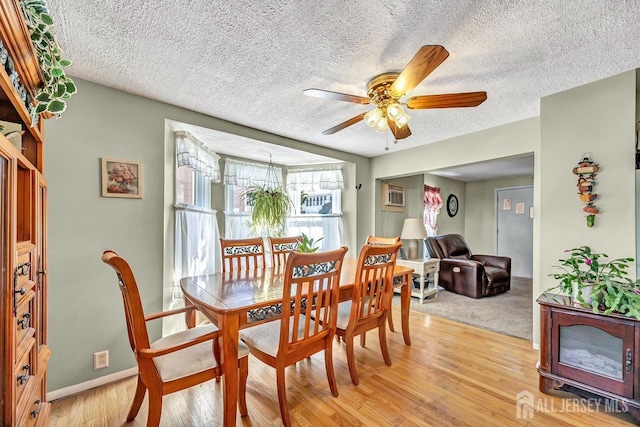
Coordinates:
<point>314,179</point>
<point>245,174</point>
<point>194,154</point>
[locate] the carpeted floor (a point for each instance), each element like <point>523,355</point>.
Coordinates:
<point>509,313</point>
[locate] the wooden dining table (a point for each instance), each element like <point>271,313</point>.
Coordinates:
<point>238,299</point>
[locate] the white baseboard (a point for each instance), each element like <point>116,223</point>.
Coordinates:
<point>88,385</point>
<point>536,346</point>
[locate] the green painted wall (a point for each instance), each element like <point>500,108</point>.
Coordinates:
<point>85,306</point>
<point>480,215</point>
<point>599,118</point>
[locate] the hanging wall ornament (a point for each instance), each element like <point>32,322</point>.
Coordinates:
<point>586,171</point>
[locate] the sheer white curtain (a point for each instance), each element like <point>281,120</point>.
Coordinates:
<point>195,154</point>
<point>326,181</point>
<point>197,241</point>
<point>314,179</point>
<point>244,174</point>
<point>196,235</point>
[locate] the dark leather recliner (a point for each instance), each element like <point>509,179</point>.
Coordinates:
<point>461,272</point>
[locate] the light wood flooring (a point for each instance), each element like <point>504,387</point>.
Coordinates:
<point>452,375</point>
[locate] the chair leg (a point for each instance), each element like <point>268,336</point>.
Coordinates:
<point>138,397</point>
<point>351,360</point>
<point>242,386</point>
<point>282,397</point>
<point>216,355</point>
<point>391,323</point>
<point>382,334</point>
<point>155,407</point>
<point>363,339</point>
<point>328,363</point>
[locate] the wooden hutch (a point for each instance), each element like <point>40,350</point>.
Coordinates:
<point>23,229</point>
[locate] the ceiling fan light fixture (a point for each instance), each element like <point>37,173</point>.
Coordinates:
<point>373,117</point>
<point>394,111</point>
<point>381,126</point>
<point>402,120</point>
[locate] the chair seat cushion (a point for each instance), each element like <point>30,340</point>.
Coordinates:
<point>497,276</point>
<point>266,336</point>
<point>200,357</point>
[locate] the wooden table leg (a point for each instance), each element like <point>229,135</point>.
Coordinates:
<point>405,303</point>
<point>229,325</point>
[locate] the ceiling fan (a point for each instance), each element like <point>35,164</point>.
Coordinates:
<point>385,90</point>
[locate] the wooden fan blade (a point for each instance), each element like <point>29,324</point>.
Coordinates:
<point>319,93</point>
<point>399,132</point>
<point>345,124</point>
<point>450,100</point>
<point>423,63</point>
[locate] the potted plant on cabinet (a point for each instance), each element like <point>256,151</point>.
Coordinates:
<point>594,281</point>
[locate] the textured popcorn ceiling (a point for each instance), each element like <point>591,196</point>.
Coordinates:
<point>247,61</point>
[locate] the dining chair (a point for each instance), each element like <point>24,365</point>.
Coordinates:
<point>375,240</point>
<point>281,247</point>
<point>378,241</point>
<point>371,301</point>
<point>172,363</point>
<point>242,254</point>
<point>307,323</point>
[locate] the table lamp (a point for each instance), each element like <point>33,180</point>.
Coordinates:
<point>412,230</point>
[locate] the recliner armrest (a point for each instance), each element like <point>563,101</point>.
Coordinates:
<point>494,261</point>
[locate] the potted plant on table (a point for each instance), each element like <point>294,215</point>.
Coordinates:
<point>308,245</point>
<point>594,281</point>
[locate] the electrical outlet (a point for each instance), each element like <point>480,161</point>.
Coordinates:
<point>101,359</point>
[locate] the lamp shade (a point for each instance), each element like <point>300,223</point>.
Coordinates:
<point>413,228</point>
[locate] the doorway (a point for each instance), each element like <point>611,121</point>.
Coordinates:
<point>514,228</point>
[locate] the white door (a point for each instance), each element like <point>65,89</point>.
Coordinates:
<point>515,228</point>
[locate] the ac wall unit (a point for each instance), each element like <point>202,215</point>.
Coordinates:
<point>393,195</point>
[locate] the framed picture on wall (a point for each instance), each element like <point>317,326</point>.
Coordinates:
<point>121,178</point>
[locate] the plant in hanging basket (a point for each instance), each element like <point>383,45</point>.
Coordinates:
<point>269,209</point>
<point>586,273</point>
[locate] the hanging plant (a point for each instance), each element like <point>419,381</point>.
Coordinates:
<point>270,209</point>
<point>57,86</point>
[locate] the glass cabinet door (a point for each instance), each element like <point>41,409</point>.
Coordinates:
<point>595,350</point>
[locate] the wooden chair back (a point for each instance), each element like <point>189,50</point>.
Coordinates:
<point>133,310</point>
<point>312,280</point>
<point>281,247</point>
<point>172,363</point>
<point>370,304</point>
<point>242,254</point>
<point>373,287</point>
<point>307,326</point>
<point>375,240</point>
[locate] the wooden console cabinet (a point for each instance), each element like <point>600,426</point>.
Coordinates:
<point>585,352</point>
<point>23,230</point>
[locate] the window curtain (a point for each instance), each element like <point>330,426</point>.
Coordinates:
<point>314,179</point>
<point>432,204</point>
<point>195,154</point>
<point>196,252</point>
<point>329,228</point>
<point>245,174</point>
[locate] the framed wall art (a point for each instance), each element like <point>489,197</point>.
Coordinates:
<point>121,178</point>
